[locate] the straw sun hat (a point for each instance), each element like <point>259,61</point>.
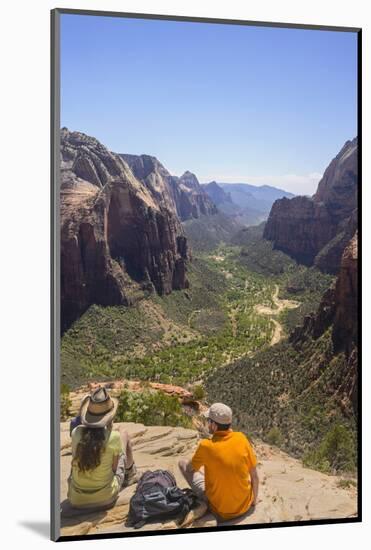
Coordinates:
<point>98,409</point>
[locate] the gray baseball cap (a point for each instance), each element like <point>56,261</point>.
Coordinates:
<point>220,413</point>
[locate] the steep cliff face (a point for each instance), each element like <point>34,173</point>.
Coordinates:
<point>183,195</point>
<point>329,257</point>
<point>300,227</point>
<point>119,239</point>
<point>315,230</point>
<point>201,202</point>
<point>339,310</point>
<point>154,176</point>
<point>346,299</point>
<point>338,307</point>
<point>338,187</point>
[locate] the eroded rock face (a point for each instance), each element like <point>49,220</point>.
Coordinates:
<point>329,257</point>
<point>346,299</point>
<point>184,195</point>
<point>339,310</point>
<point>338,187</point>
<point>119,239</point>
<point>200,202</point>
<point>338,307</point>
<point>299,227</point>
<point>315,230</point>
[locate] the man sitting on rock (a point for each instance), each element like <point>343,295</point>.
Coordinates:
<point>223,468</point>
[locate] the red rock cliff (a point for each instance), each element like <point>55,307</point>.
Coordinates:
<point>184,195</point>
<point>315,230</point>
<point>346,299</point>
<point>119,240</point>
<point>339,310</point>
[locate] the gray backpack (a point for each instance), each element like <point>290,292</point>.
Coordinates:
<point>157,497</point>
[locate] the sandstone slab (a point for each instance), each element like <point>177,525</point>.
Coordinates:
<point>288,491</point>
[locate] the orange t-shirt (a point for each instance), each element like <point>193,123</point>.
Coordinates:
<point>227,458</point>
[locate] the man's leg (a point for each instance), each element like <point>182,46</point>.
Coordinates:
<point>196,480</point>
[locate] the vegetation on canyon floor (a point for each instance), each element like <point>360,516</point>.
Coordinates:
<point>180,337</point>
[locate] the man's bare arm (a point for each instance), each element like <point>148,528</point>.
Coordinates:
<point>186,466</point>
<point>255,485</point>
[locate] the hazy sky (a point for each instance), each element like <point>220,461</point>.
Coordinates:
<point>229,103</point>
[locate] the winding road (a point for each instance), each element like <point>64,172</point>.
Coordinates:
<point>280,306</point>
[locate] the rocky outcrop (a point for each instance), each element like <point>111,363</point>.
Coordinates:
<point>299,227</point>
<point>183,195</point>
<point>154,176</point>
<point>345,331</point>
<point>338,307</point>
<point>288,491</point>
<point>317,323</point>
<point>338,186</point>
<point>118,239</point>
<point>315,230</point>
<point>200,201</point>
<point>329,257</point>
<point>339,310</point>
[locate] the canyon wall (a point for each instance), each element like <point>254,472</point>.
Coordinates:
<point>315,230</point>
<point>184,195</point>
<point>338,311</point>
<point>119,237</point>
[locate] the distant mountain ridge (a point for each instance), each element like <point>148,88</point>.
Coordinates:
<point>247,204</point>
<point>264,194</point>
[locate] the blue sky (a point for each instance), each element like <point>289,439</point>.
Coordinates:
<point>231,103</point>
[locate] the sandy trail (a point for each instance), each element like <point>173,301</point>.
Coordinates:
<point>280,305</point>
<point>218,258</point>
<point>277,334</point>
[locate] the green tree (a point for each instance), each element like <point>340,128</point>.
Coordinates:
<point>198,391</point>
<point>336,451</point>
<point>151,408</point>
<point>274,436</point>
<point>65,402</point>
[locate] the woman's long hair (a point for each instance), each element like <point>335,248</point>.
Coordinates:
<point>89,449</point>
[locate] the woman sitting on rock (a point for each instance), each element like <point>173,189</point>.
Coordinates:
<point>102,459</point>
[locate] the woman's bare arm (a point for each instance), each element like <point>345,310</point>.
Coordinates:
<point>115,463</point>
